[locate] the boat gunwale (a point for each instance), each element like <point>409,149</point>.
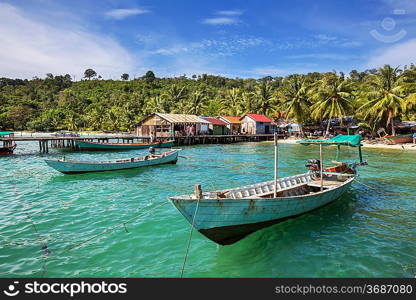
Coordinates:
<point>253,197</point>
<point>171,152</point>
<point>126,144</point>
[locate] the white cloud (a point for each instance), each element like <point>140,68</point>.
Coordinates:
<point>399,54</point>
<point>325,37</point>
<point>32,48</point>
<point>125,12</point>
<point>212,47</point>
<point>409,6</point>
<point>221,21</point>
<point>235,12</point>
<point>331,56</point>
<point>268,71</point>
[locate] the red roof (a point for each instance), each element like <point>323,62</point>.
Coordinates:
<point>257,117</point>
<point>214,121</point>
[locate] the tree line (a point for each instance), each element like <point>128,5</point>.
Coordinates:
<point>376,97</point>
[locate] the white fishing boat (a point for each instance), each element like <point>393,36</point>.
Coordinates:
<point>78,167</point>
<point>227,216</point>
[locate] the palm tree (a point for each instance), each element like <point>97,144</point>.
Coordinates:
<point>332,97</point>
<point>264,97</point>
<point>295,98</point>
<point>230,104</point>
<point>174,95</point>
<point>385,96</point>
<point>248,103</point>
<point>158,104</point>
<point>196,102</point>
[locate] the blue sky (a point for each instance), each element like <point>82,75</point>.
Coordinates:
<point>229,38</point>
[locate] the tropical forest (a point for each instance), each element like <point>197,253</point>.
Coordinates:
<point>377,98</point>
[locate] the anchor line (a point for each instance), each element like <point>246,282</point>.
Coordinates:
<point>110,229</point>
<point>42,244</point>
<point>385,192</point>
<point>190,238</point>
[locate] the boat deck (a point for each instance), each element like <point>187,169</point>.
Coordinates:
<point>297,185</point>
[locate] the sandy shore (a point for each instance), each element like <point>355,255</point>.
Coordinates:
<point>407,146</point>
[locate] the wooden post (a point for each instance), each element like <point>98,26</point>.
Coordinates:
<point>198,191</point>
<point>338,151</point>
<point>360,154</point>
<point>275,164</point>
<point>322,167</point>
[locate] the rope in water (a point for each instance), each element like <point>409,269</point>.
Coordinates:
<point>190,237</point>
<point>384,192</point>
<point>43,246</point>
<point>115,227</point>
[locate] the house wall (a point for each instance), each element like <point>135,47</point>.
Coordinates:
<point>249,126</point>
<point>219,130</point>
<point>154,125</point>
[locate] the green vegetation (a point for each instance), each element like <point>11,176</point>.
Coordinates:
<point>376,97</point>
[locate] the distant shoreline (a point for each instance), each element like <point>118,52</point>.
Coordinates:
<point>291,140</point>
<point>408,146</point>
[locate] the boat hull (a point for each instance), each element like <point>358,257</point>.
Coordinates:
<point>69,167</point>
<point>399,139</point>
<point>226,221</point>
<point>7,149</point>
<point>94,146</point>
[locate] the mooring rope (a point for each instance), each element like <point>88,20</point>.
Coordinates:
<point>115,227</point>
<point>384,192</point>
<point>43,246</point>
<point>190,237</point>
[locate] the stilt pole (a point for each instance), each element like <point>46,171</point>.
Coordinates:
<point>322,167</point>
<point>275,164</point>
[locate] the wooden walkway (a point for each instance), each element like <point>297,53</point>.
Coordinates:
<point>69,141</point>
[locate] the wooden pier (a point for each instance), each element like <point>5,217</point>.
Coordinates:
<point>69,141</point>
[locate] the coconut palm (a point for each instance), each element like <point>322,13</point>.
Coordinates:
<point>231,102</point>
<point>295,99</point>
<point>332,97</point>
<point>385,96</point>
<point>248,103</point>
<point>264,97</point>
<point>196,103</point>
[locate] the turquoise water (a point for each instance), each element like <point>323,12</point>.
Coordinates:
<point>366,233</point>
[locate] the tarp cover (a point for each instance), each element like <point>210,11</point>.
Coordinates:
<point>347,140</point>
<point>4,133</point>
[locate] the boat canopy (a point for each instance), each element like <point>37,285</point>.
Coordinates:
<point>5,133</point>
<point>345,140</point>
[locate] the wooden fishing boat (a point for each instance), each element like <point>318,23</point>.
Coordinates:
<point>227,216</point>
<point>8,149</point>
<point>97,146</point>
<point>78,167</point>
<point>398,139</point>
<point>8,145</point>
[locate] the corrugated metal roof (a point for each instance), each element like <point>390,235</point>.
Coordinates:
<point>231,119</point>
<point>214,121</point>
<point>182,118</point>
<point>257,117</point>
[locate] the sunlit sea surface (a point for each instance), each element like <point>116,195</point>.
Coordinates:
<point>369,232</point>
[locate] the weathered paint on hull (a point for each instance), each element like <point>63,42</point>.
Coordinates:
<point>399,139</point>
<point>79,168</point>
<point>226,221</point>
<point>7,150</point>
<point>92,146</point>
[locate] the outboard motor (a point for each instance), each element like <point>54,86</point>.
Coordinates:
<point>314,165</point>
<point>151,150</point>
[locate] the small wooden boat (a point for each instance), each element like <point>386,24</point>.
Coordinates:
<point>4,150</point>
<point>97,146</point>
<point>227,216</point>
<point>398,139</point>
<point>78,167</point>
<point>8,145</point>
